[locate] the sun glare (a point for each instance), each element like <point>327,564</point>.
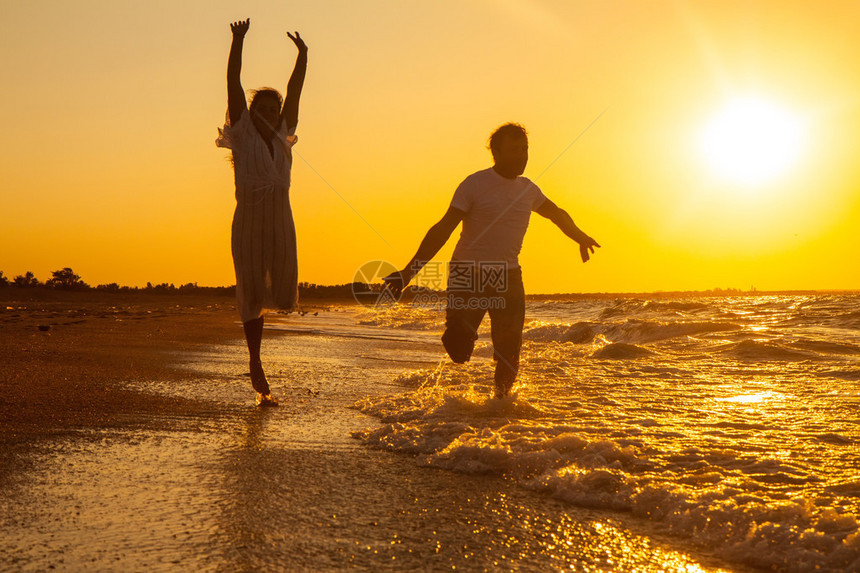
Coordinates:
<point>752,141</point>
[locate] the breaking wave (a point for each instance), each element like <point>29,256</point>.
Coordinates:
<point>732,422</point>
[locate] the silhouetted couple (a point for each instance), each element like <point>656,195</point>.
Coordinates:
<point>494,205</point>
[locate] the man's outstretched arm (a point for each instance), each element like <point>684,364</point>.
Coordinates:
<point>434,240</point>
<point>564,222</point>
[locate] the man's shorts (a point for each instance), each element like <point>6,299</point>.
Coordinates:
<point>466,309</point>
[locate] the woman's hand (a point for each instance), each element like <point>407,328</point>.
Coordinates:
<point>300,44</point>
<point>240,28</point>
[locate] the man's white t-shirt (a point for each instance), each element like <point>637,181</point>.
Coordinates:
<point>497,215</point>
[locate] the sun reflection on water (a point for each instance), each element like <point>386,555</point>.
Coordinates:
<point>748,398</point>
<point>731,420</point>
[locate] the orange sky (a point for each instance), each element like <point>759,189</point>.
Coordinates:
<point>111,109</point>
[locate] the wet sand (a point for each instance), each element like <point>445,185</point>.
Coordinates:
<point>69,356</point>
<point>139,448</point>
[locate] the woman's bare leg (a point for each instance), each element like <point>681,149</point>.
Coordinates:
<point>254,338</point>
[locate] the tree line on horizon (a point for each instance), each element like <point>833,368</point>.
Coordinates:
<point>66,279</point>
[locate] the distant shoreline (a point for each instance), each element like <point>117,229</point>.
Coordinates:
<point>338,297</point>
<point>688,294</point>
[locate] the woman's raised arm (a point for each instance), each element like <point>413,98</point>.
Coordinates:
<point>290,112</point>
<point>236,103</point>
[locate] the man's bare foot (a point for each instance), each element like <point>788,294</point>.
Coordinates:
<point>503,388</point>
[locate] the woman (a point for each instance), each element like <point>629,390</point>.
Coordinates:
<point>264,236</point>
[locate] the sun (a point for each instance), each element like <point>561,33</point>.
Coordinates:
<point>752,141</point>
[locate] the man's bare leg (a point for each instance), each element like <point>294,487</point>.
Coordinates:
<point>506,374</point>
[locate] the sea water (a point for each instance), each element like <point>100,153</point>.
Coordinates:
<point>731,422</point>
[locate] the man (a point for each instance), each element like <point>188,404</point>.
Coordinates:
<point>484,274</point>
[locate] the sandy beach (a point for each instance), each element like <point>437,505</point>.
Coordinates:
<point>69,356</point>
<point>130,442</point>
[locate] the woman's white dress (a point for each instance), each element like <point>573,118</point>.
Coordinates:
<point>264,235</point>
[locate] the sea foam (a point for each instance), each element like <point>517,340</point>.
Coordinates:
<point>732,422</point>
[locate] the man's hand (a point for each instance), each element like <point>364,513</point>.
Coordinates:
<point>300,44</point>
<point>240,28</point>
<point>395,282</point>
<point>586,248</point>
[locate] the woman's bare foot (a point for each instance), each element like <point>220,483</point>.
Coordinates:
<point>266,400</point>
<point>258,378</point>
